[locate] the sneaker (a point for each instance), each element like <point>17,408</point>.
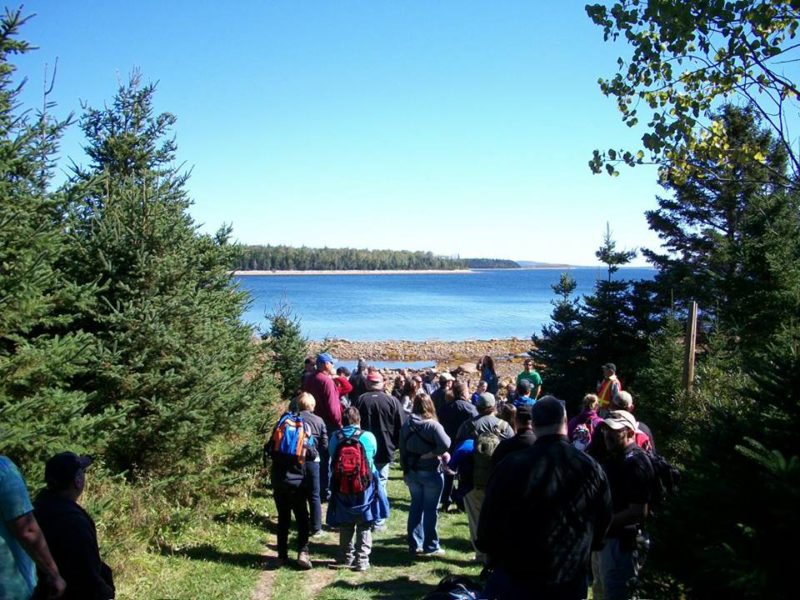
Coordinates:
<point>319,535</point>
<point>379,528</point>
<point>303,561</point>
<point>340,565</point>
<point>360,567</point>
<point>416,551</point>
<point>437,552</point>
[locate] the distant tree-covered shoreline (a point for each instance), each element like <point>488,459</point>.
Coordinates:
<point>287,258</point>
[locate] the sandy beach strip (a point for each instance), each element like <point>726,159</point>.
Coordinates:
<point>358,272</point>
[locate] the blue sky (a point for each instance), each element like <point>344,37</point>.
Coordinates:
<point>459,127</point>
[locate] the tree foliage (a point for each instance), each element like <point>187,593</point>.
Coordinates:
<point>610,325</point>
<point>288,349</point>
<point>41,351</point>
<point>174,363</point>
<point>287,258</point>
<point>731,235</point>
<point>687,58</point>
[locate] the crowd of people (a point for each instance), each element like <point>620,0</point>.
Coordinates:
<point>553,505</point>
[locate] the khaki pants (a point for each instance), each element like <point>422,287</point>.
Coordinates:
<point>472,504</point>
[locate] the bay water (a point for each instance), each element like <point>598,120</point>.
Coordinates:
<point>484,304</point>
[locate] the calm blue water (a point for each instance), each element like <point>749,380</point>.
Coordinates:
<point>479,305</point>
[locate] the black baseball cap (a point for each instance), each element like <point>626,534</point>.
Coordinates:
<point>60,470</point>
<point>548,411</point>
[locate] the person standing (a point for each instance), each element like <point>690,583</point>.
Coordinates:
<point>523,438</point>
<point>545,508</point>
<point>524,394</point>
<point>451,415</point>
<point>22,544</point>
<point>356,499</point>
<point>69,530</point>
<point>423,443</point>
<point>444,392</point>
<point>488,373</point>
<point>644,435</point>
<point>382,415</point>
<point>358,379</point>
<point>311,481</point>
<point>530,374</point>
<point>486,421</point>
<point>328,408</point>
<point>630,476</point>
<point>291,447</point>
<point>608,387</point>
<point>581,427</point>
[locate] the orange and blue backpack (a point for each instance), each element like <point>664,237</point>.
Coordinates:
<point>290,438</point>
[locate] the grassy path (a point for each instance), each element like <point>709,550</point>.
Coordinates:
<point>394,573</point>
<point>230,555</point>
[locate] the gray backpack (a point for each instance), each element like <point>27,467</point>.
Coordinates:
<point>485,445</point>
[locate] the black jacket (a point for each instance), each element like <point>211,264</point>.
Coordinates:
<point>546,508</point>
<point>382,415</point>
<point>72,539</point>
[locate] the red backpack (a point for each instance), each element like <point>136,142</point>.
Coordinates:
<point>350,469</point>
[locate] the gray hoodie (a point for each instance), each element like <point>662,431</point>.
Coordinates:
<point>421,444</point>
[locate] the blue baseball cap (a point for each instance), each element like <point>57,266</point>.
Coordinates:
<point>325,358</point>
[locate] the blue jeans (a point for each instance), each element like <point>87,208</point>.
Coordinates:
<point>324,474</point>
<point>426,489</point>
<point>314,504</point>
<point>383,478</point>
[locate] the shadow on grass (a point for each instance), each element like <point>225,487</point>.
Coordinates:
<point>206,552</point>
<point>247,517</point>
<point>458,544</point>
<point>399,587</point>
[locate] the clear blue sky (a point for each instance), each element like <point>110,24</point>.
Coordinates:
<point>459,127</point>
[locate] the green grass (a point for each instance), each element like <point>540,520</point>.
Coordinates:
<point>394,573</point>
<point>218,554</point>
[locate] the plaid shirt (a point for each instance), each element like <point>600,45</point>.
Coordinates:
<point>546,508</point>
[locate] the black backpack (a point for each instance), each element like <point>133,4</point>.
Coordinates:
<point>666,480</point>
<point>455,587</point>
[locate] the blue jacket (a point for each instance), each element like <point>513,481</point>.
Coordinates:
<point>368,506</point>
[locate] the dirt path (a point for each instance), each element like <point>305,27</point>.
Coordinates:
<point>263,590</point>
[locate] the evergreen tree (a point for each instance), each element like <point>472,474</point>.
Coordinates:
<point>175,361</point>
<point>560,345</point>
<point>608,317</point>
<point>40,409</point>
<point>732,234</point>
<point>288,349</point>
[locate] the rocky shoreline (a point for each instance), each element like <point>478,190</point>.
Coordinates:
<point>460,356</point>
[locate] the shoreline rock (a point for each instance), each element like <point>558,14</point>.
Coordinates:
<point>447,355</point>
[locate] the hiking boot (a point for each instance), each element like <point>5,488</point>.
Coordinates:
<point>303,561</point>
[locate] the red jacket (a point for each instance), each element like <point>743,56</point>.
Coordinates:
<point>328,408</point>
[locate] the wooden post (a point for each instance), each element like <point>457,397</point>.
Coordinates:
<point>691,339</point>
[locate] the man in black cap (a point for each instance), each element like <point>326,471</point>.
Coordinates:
<point>70,531</point>
<point>546,507</point>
